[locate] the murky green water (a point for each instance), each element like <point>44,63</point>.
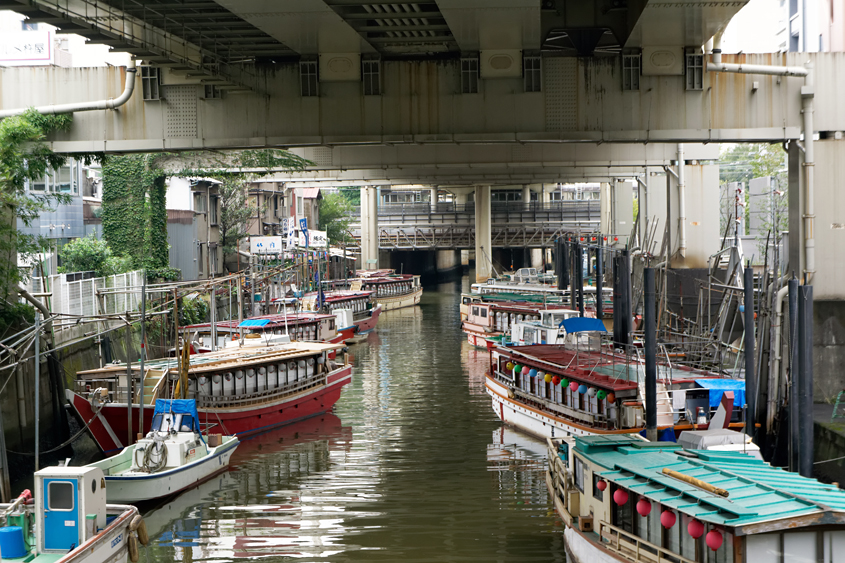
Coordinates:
<point>412,466</point>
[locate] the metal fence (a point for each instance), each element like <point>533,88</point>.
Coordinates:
<point>80,297</point>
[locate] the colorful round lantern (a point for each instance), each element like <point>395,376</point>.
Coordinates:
<point>539,374</point>
<point>592,391</point>
<point>611,398</point>
<point>509,366</point>
<point>548,378</point>
<point>713,539</point>
<point>532,372</point>
<point>601,394</point>
<point>573,386</point>
<point>620,497</point>
<point>643,507</point>
<point>525,370</point>
<point>517,368</point>
<point>555,380</point>
<point>582,389</point>
<point>668,518</point>
<point>695,529</point>
<point>564,382</point>
<point>601,485</point>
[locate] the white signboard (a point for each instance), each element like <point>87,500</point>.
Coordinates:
<point>265,245</point>
<point>316,239</point>
<point>26,48</point>
<point>289,227</point>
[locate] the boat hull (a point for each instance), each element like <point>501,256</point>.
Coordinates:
<point>111,424</point>
<point>368,324</point>
<point>531,420</point>
<point>399,301</point>
<point>138,488</point>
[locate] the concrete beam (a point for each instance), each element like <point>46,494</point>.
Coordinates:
<point>483,235</point>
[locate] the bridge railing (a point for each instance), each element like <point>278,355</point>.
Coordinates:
<point>424,208</point>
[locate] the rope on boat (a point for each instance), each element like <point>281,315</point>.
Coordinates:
<point>66,442</point>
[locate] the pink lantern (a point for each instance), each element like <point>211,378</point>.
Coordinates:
<point>713,539</point>
<point>601,485</point>
<point>573,386</point>
<point>643,507</point>
<point>668,518</point>
<point>525,370</point>
<point>695,528</point>
<point>620,497</point>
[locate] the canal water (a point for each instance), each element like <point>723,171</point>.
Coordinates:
<point>412,465</point>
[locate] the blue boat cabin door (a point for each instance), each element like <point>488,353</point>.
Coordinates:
<point>61,515</point>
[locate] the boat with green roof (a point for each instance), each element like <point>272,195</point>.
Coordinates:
<point>624,499</point>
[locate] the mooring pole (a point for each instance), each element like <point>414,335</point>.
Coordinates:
<point>37,385</point>
<point>143,350</point>
<point>573,278</point>
<point>5,488</point>
<point>650,328</point>
<point>599,281</point>
<point>129,388</point>
<point>805,379</point>
<point>750,374</point>
<point>794,409</point>
<point>579,259</point>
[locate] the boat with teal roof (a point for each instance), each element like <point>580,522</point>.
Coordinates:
<point>624,499</point>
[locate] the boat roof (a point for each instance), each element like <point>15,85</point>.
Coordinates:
<point>757,492</point>
<point>223,360</point>
<point>264,321</point>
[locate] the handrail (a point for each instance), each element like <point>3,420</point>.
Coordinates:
<point>638,542</point>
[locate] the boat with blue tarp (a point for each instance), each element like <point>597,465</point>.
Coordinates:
<point>173,456</point>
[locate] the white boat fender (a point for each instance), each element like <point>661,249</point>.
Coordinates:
<point>133,548</point>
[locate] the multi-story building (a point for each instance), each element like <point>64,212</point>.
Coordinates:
<point>275,200</point>
<point>193,227</point>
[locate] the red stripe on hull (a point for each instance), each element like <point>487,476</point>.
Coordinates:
<point>242,423</point>
<point>368,324</point>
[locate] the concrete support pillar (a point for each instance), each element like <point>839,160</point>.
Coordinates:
<point>537,258</point>
<point>483,235</point>
<point>526,197</point>
<point>701,215</point>
<point>369,227</point>
<point>433,198</point>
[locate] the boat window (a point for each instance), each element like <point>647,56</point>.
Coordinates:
<point>475,311</point>
<point>163,422</point>
<point>483,313</point>
<point>597,493</point>
<point>187,424</point>
<point>579,474</point>
<point>60,495</point>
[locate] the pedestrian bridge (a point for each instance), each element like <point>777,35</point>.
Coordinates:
<point>447,225</point>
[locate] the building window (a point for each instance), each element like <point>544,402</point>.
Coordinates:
<point>64,180</point>
<point>40,185</point>
<point>531,73</point>
<point>150,83</point>
<point>213,210</point>
<point>28,26</point>
<point>579,474</point>
<point>199,202</point>
<point>308,80</point>
<point>469,75</point>
<point>212,255</point>
<point>371,75</point>
<point>299,206</point>
<point>631,71</point>
<point>211,92</point>
<point>695,71</point>
<point>200,260</point>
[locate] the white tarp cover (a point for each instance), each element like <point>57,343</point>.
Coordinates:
<point>706,439</point>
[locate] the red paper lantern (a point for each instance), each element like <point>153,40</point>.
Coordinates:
<point>601,485</point>
<point>555,380</point>
<point>713,539</point>
<point>668,518</point>
<point>620,497</point>
<point>695,529</point>
<point>643,507</point>
<point>611,398</point>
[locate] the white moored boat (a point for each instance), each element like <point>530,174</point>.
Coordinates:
<point>68,521</point>
<point>172,457</point>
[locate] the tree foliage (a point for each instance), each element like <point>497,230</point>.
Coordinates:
<point>89,254</point>
<point>24,157</point>
<point>335,216</point>
<point>236,211</point>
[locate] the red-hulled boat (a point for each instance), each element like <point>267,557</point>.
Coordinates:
<point>241,390</point>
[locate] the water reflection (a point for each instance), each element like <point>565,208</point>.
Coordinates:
<point>412,465</point>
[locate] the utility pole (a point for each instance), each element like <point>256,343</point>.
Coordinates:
<point>37,385</point>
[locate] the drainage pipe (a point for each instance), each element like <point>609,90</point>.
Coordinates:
<point>774,374</point>
<point>807,108</point>
<point>682,215</point>
<point>111,103</point>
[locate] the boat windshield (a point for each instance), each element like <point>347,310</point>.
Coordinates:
<point>165,422</point>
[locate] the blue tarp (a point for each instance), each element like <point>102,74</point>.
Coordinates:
<point>582,324</point>
<point>665,435</point>
<point>179,406</point>
<point>255,323</point>
<point>719,386</point>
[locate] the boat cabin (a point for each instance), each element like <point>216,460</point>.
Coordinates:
<point>70,507</point>
<point>303,326</point>
<point>628,500</point>
<point>547,329</point>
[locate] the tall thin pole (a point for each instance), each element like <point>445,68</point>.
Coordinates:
<point>129,388</point>
<point>213,318</point>
<point>143,350</point>
<point>750,374</point>
<point>240,310</point>
<point>794,370</point>
<point>805,378</point>
<point>579,263</point>
<point>37,385</point>
<point>599,280</point>
<point>649,317</point>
